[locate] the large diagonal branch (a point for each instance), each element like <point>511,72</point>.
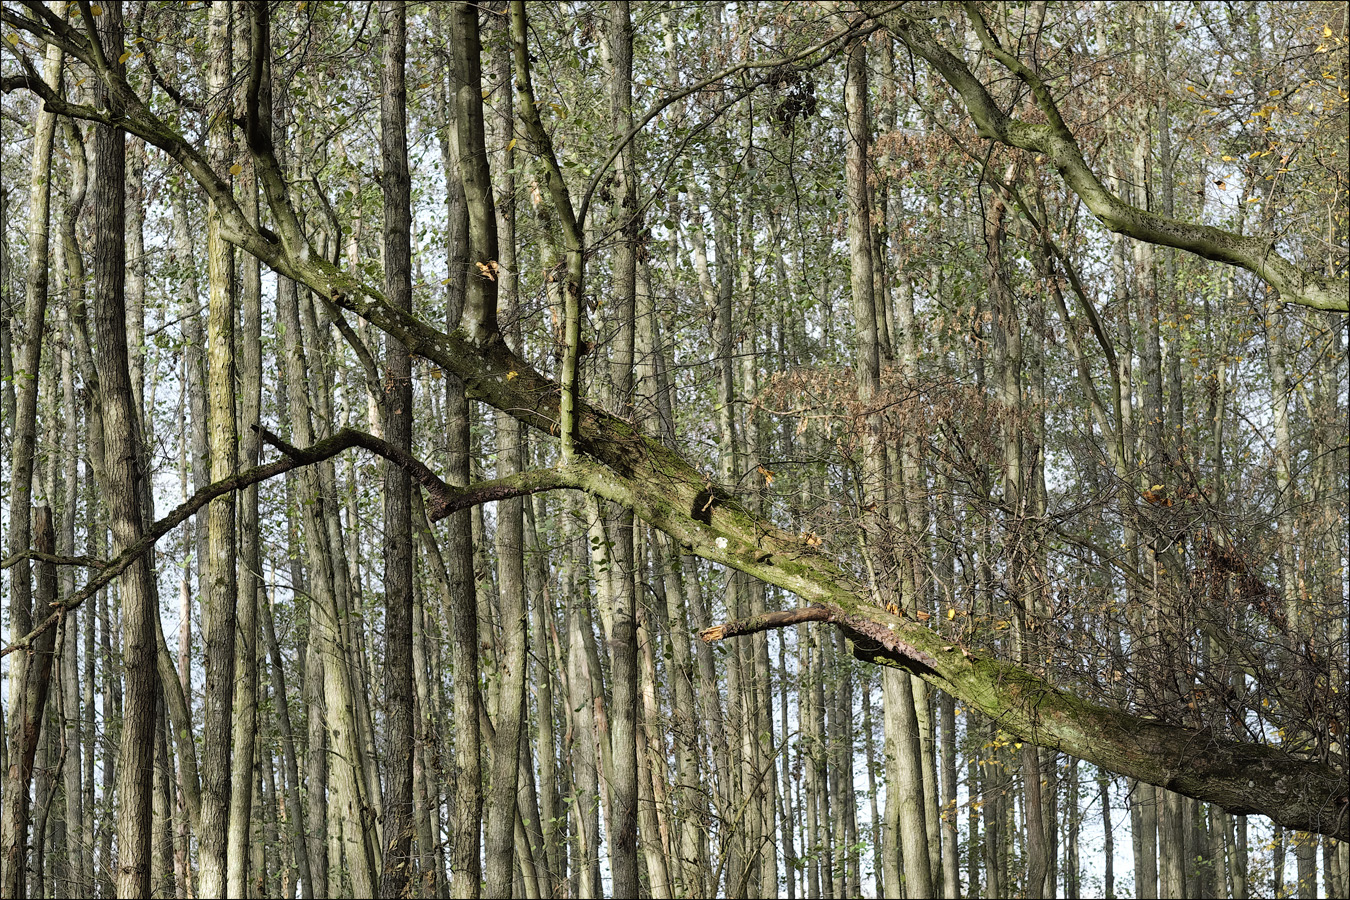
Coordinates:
<point>1242,778</point>
<point>666,491</point>
<point>1256,253</point>
<point>615,460</point>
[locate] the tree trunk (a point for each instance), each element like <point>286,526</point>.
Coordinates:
<point>27,680</point>
<point>26,713</point>
<point>334,736</point>
<point>219,566</point>
<point>122,491</point>
<point>71,877</point>
<point>244,717</point>
<point>466,816</point>
<point>396,867</point>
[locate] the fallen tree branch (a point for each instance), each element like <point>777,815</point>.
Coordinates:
<point>871,639</point>
<point>618,461</point>
<point>1240,777</point>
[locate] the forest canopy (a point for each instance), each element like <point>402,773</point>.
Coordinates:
<point>674,450</point>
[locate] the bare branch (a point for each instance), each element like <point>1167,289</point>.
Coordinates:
<point>445,500</point>
<point>53,558</point>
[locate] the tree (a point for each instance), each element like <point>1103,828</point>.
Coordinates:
<point>29,678</point>
<point>910,440</point>
<point>398,401</point>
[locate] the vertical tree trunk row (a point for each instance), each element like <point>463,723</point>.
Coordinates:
<point>623,756</point>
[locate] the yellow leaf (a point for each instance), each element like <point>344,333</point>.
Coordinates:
<point>236,169</point>
<point>124,57</point>
<point>1326,31</point>
<point>951,614</point>
<point>12,40</point>
<point>512,145</point>
<point>1226,158</point>
<point>96,10</point>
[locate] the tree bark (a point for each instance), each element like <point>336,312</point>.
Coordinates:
<point>664,489</point>
<point>26,712</point>
<point>24,721</point>
<point>244,717</point>
<point>619,522</point>
<point>466,815</point>
<point>219,616</point>
<point>396,867</point>
<point>122,491</point>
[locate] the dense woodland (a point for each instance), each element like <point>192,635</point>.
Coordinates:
<point>565,449</point>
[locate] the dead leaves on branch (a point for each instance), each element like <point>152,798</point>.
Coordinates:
<point>954,421</point>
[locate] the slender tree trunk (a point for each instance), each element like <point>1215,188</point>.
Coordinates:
<point>27,710</point>
<point>708,691</point>
<point>123,493</point>
<point>426,805</point>
<point>333,738</point>
<point>502,853</point>
<point>552,832</point>
<point>221,588</point>
<point>582,755</point>
<point>71,879</point>
<point>623,638</point>
<point>466,817</point>
<point>314,832</point>
<point>1108,846</point>
<point>25,671</point>
<point>946,586</point>
<point>244,718</point>
<point>275,872</point>
<point>163,861</point>
<point>398,411</point>
<point>294,811</point>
